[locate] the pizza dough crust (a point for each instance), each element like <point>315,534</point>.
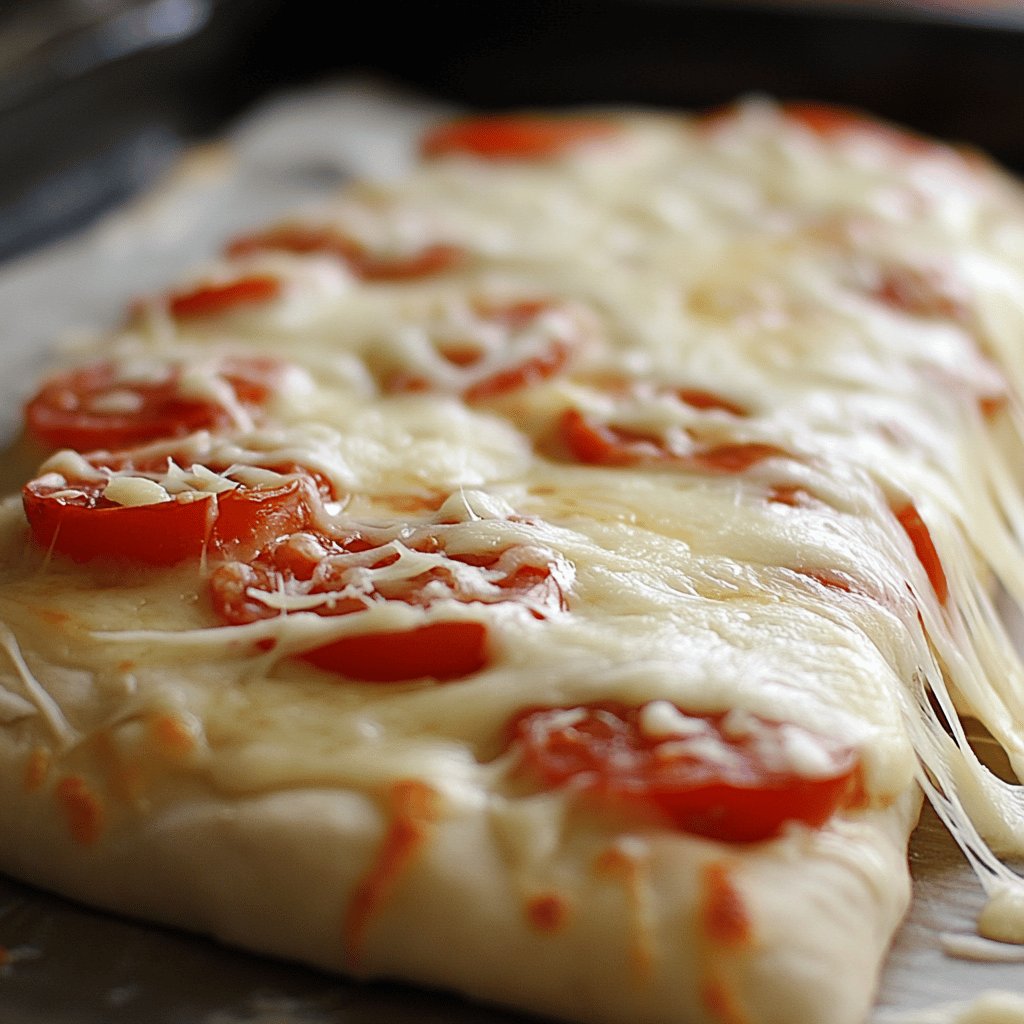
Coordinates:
<point>275,873</point>
<point>416,868</point>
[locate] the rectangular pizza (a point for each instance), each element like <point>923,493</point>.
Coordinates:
<point>553,577</point>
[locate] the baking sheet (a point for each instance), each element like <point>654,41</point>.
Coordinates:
<point>71,965</point>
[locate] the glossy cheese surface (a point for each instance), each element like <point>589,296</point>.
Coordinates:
<point>743,391</point>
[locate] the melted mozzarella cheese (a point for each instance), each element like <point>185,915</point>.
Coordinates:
<point>131,492</point>
<point>858,301</point>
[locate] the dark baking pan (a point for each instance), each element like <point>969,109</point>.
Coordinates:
<point>955,72</point>
<point>98,96</point>
<point>91,112</point>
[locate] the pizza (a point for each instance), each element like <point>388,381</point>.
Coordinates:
<point>553,577</point>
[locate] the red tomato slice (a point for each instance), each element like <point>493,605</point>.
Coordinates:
<point>595,443</point>
<point>303,239</point>
<point>915,528</point>
<point>73,518</point>
<point>792,495</point>
<point>924,291</point>
<point>523,362</point>
<point>91,408</point>
<point>746,793</point>
<point>515,136</point>
<point>734,458</point>
<point>525,374</point>
<point>707,400</point>
<point>833,579</point>
<point>308,564</point>
<point>516,317</point>
<point>830,121</point>
<point>215,299</point>
<point>439,650</point>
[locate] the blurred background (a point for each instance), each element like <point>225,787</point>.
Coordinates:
<point>97,97</point>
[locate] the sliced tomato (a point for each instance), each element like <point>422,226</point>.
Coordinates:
<point>736,786</point>
<point>310,564</point>
<point>73,518</point>
<point>531,352</point>
<point>829,120</point>
<point>92,407</point>
<point>832,121</point>
<point>709,401</point>
<point>833,579</point>
<point>932,292</point>
<point>916,529</point>
<point>216,299</point>
<point>597,443</point>
<point>439,650</point>
<point>516,318</point>
<point>734,458</point>
<point>522,375</point>
<point>302,239</point>
<point>515,136</point>
<point>792,495</point>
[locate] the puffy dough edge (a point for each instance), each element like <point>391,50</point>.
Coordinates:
<point>275,873</point>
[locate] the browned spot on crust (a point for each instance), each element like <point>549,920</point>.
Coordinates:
<point>859,798</point>
<point>723,923</point>
<point>547,912</point>
<point>994,404</point>
<point>171,736</point>
<point>720,1003</point>
<point>128,781</point>
<point>414,809</point>
<point>124,778</point>
<point>617,863</point>
<point>82,809</point>
<point>36,769</point>
<point>723,916</point>
<point>53,616</point>
<point>125,666</point>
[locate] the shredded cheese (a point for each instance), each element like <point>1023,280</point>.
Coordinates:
<point>134,491</point>
<point>859,305</point>
<point>47,707</point>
